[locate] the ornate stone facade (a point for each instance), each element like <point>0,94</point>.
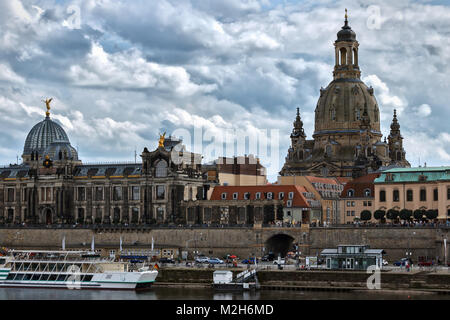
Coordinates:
<point>347,137</point>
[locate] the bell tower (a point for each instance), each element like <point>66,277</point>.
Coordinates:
<point>346,53</point>
<point>395,142</point>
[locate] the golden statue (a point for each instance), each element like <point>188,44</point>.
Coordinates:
<point>47,103</point>
<point>161,140</point>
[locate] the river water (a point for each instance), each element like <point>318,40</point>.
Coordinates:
<point>159,293</point>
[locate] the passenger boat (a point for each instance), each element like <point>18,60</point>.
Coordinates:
<point>71,270</point>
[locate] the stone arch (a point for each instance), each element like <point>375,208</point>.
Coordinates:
<point>279,244</point>
<point>47,215</point>
<point>342,56</point>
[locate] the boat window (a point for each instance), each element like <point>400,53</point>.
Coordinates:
<point>2,261</point>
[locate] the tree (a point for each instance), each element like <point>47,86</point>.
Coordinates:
<point>405,214</point>
<point>431,214</point>
<point>418,214</point>
<point>366,215</point>
<point>379,214</point>
<point>392,214</point>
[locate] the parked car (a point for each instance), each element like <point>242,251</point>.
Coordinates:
<point>282,261</point>
<point>425,263</point>
<point>201,259</point>
<point>249,261</point>
<point>268,257</point>
<point>166,260</point>
<point>215,261</point>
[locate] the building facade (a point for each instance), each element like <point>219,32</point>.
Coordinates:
<point>53,186</point>
<point>347,141</point>
<point>413,189</point>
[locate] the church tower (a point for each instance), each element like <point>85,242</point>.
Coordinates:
<point>395,141</point>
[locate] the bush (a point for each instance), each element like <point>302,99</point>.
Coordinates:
<point>405,214</point>
<point>379,214</point>
<point>366,215</point>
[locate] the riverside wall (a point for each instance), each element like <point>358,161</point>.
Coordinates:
<point>240,241</point>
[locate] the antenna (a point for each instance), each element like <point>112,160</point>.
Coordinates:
<point>135,154</point>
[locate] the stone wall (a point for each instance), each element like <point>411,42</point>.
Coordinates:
<point>242,242</point>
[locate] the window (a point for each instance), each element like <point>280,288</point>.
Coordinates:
<point>10,194</point>
<point>369,203</point>
<point>117,193</point>
<point>289,203</point>
<point>348,213</point>
<point>382,196</point>
<point>423,195</point>
<point>258,195</point>
<point>270,195</point>
<point>448,193</point>
<point>353,203</point>
<point>349,203</point>
<point>160,192</point>
<point>135,193</point>
<point>235,195</point>
<point>435,195</point>
<point>353,213</point>
<point>291,195</point>
<point>350,193</point>
<point>99,193</point>
<point>134,215</point>
<point>409,195</point>
<point>281,195</point>
<point>161,169</point>
<point>365,203</point>
<point>396,196</point>
<point>367,193</point>
<point>224,196</point>
<point>81,196</point>
<point>247,195</point>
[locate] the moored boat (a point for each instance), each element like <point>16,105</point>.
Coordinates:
<point>71,270</point>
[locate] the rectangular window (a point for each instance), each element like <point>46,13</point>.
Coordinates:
<point>369,203</point>
<point>135,193</point>
<point>48,194</point>
<point>81,194</point>
<point>409,195</point>
<point>353,213</point>
<point>10,194</point>
<point>396,196</point>
<point>117,193</point>
<point>448,193</point>
<point>258,195</point>
<point>99,193</point>
<point>435,195</point>
<point>291,195</point>
<point>235,195</point>
<point>160,192</point>
<point>423,195</point>
<point>348,213</point>
<point>349,203</point>
<point>281,195</point>
<point>382,196</point>
<point>365,203</point>
<point>353,203</point>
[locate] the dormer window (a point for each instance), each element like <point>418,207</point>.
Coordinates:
<point>247,195</point>
<point>235,196</point>
<point>367,193</point>
<point>281,195</point>
<point>351,193</point>
<point>291,195</point>
<point>258,195</point>
<point>269,195</point>
<point>224,196</point>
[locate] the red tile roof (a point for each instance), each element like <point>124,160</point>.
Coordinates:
<point>359,185</point>
<point>299,199</point>
<point>313,179</point>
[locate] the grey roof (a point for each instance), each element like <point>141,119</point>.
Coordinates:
<point>15,171</point>
<point>108,169</point>
<point>374,251</point>
<point>329,251</point>
<point>65,148</point>
<point>42,135</point>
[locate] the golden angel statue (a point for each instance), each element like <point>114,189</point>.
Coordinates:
<point>161,139</point>
<point>47,103</point>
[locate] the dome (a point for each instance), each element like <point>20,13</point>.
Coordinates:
<point>42,135</point>
<point>341,107</point>
<point>60,149</point>
<point>346,33</point>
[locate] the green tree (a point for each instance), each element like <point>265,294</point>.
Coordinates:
<point>392,214</point>
<point>379,214</point>
<point>405,214</point>
<point>418,214</point>
<point>366,215</point>
<point>431,214</point>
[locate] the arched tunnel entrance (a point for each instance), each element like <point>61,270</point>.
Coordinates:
<point>279,244</point>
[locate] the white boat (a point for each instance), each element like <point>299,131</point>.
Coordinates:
<point>71,270</point>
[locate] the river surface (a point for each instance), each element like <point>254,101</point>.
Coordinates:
<point>159,293</point>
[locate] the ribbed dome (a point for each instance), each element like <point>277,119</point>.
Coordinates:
<point>42,135</point>
<point>59,150</point>
<point>346,34</point>
<point>342,104</point>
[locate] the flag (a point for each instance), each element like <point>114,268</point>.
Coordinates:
<point>156,266</point>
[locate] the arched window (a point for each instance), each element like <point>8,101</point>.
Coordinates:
<point>333,113</point>
<point>357,114</point>
<point>329,150</point>
<point>399,155</point>
<point>367,193</point>
<point>355,57</point>
<point>343,54</point>
<point>161,169</point>
<point>351,193</point>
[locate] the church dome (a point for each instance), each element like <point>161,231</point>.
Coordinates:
<point>342,104</point>
<point>42,135</point>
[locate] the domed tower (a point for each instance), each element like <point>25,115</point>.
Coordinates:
<point>48,140</point>
<point>347,136</point>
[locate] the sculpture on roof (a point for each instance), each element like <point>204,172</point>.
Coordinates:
<point>161,140</point>
<point>47,103</point>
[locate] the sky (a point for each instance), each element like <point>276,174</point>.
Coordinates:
<point>122,72</point>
